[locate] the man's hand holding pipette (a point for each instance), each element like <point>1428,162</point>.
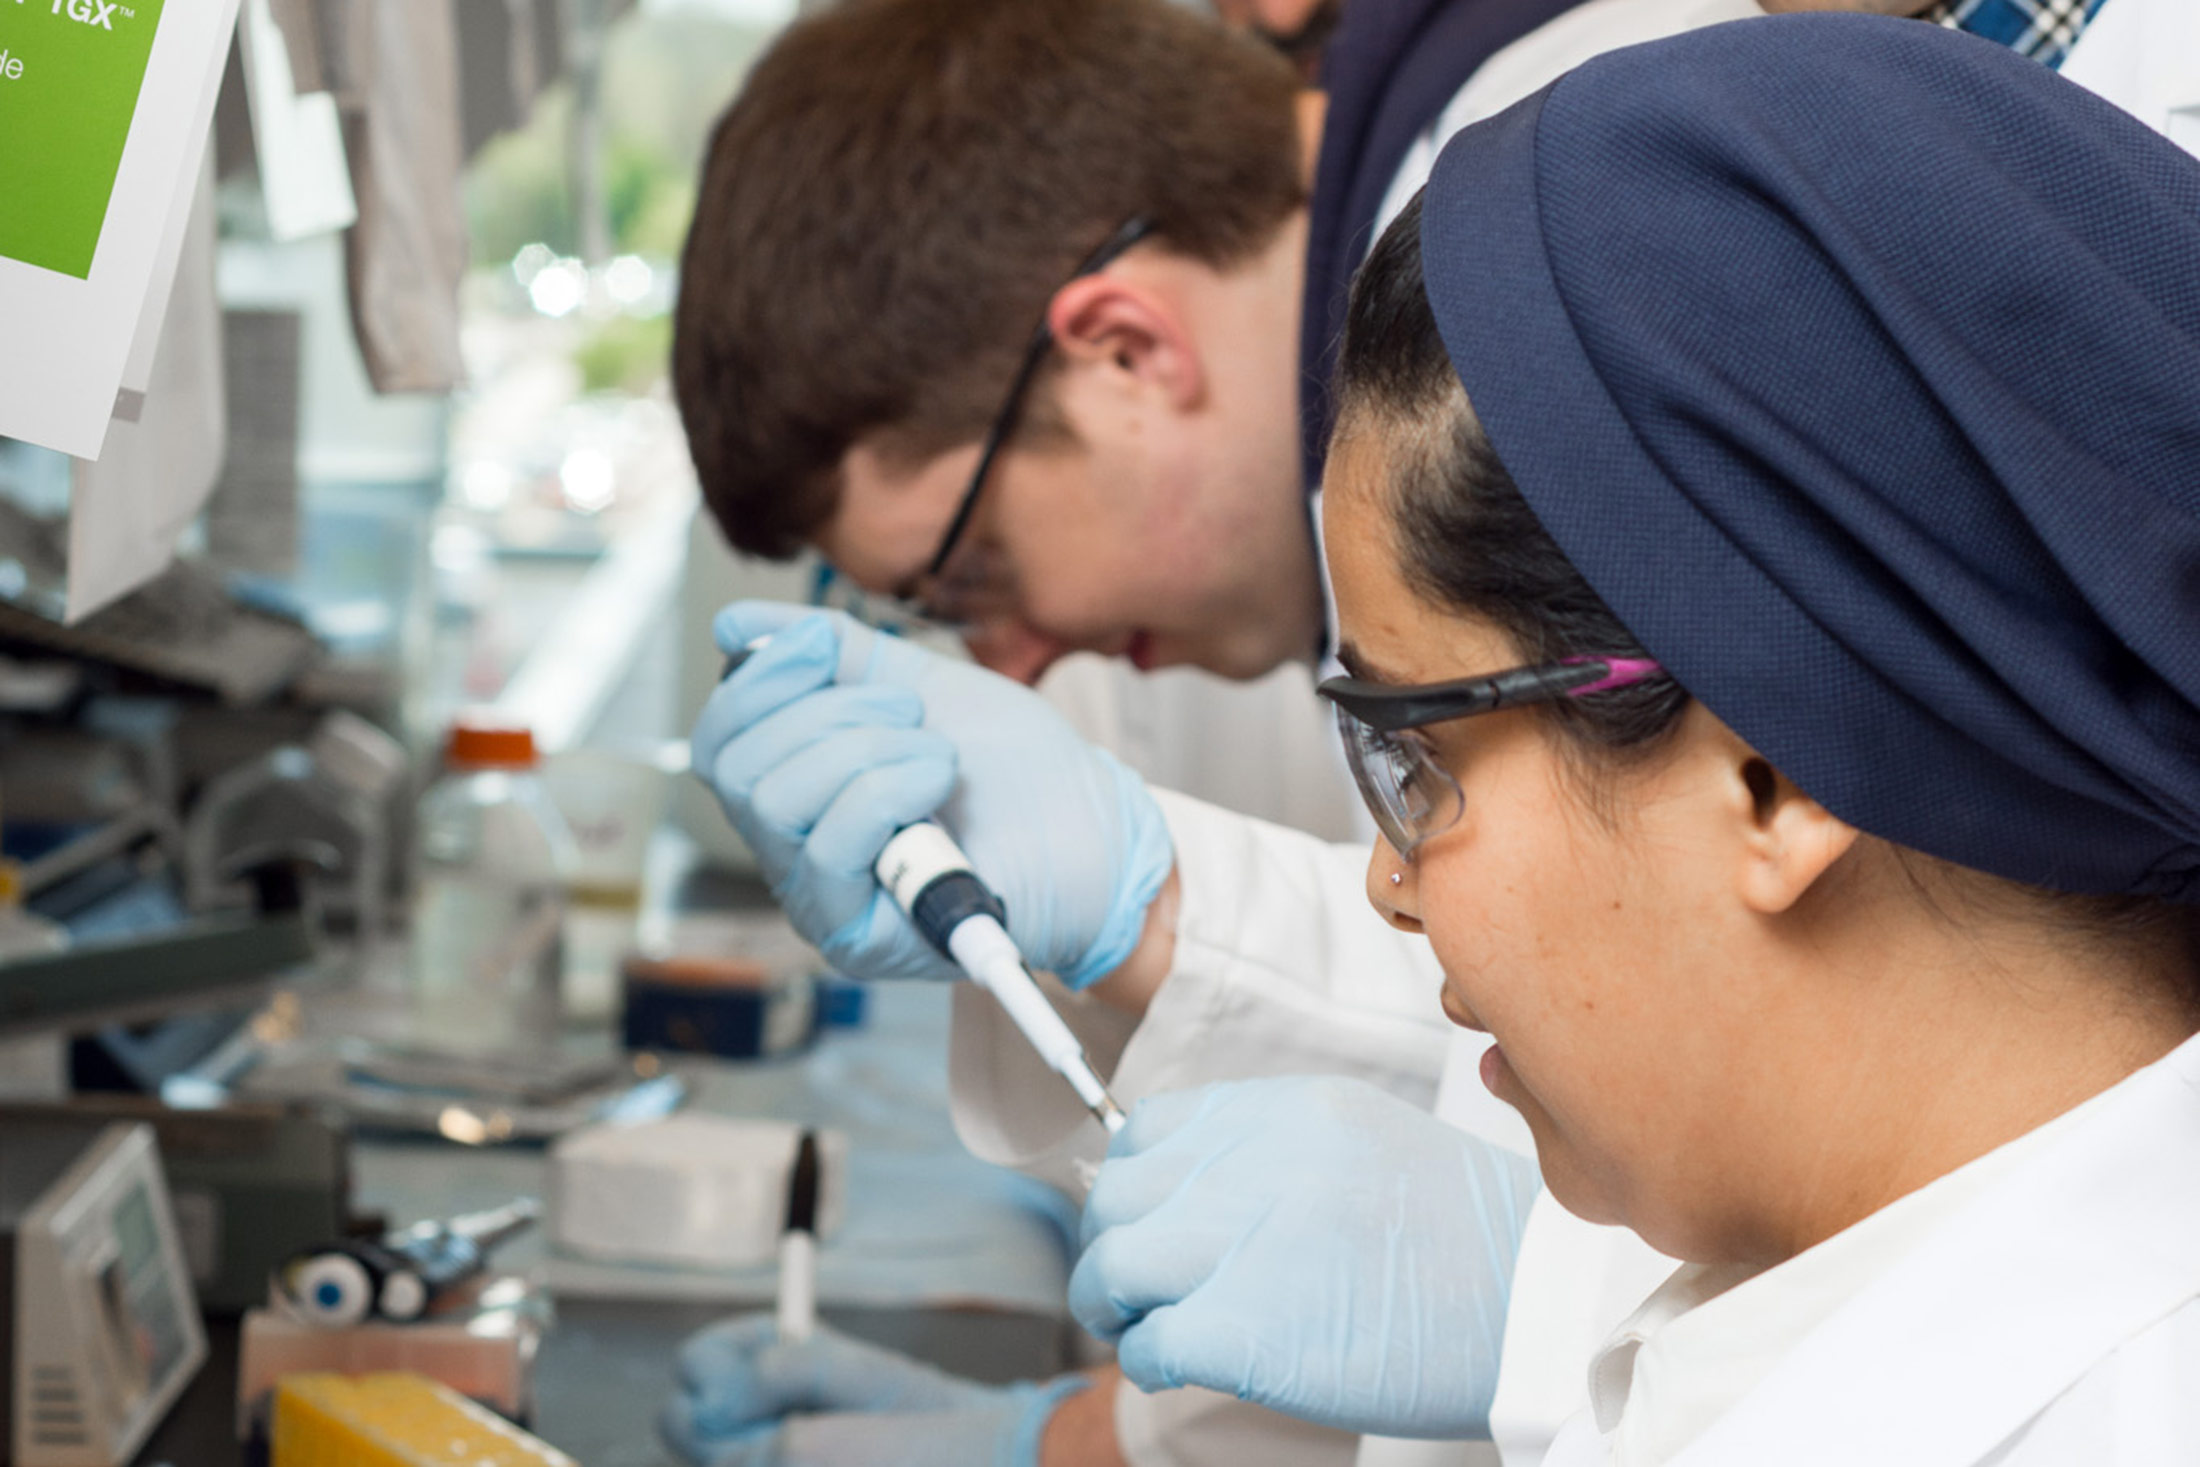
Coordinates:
<point>831,737</point>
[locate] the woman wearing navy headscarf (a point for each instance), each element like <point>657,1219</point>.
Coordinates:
<point>1765,522</point>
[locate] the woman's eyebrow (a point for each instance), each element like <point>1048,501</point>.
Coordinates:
<point>1356,662</point>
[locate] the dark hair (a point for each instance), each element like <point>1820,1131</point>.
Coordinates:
<point>1467,540</point>
<point>1450,491</point>
<point>898,191</point>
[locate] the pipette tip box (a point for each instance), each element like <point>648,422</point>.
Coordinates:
<point>394,1419</point>
<point>692,1190</point>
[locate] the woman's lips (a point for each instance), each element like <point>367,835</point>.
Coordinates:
<point>1494,1070</point>
<point>1140,651</point>
<point>1458,1012</point>
<point>1496,1074</point>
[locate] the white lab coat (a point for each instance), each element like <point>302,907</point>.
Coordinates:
<point>2054,1320</point>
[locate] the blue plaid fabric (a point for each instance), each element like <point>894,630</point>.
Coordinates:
<point>2044,30</point>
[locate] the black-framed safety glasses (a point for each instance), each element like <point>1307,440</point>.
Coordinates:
<point>937,595</point>
<point>1412,796</point>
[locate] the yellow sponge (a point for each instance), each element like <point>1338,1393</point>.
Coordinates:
<point>396,1419</point>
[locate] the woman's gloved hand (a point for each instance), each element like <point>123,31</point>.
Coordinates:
<point>1315,1245</point>
<point>832,736</point>
<point>746,1400</point>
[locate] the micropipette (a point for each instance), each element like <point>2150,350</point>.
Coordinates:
<point>932,881</point>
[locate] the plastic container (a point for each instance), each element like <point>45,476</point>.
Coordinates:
<point>687,1191</point>
<point>736,1008</point>
<point>487,1353</point>
<point>612,805</point>
<point>488,934</point>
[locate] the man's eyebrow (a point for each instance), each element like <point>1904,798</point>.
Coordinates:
<point>1357,663</point>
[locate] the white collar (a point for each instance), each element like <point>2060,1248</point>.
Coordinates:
<point>1729,1359</point>
<point>1711,1332</point>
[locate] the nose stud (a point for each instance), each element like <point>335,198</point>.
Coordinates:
<point>1396,877</point>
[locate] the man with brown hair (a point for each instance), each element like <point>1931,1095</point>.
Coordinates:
<point>892,205</point>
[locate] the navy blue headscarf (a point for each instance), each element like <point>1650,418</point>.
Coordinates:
<point>1856,364</point>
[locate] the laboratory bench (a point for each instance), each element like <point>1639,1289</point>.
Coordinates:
<point>940,1256</point>
<point>607,1367</point>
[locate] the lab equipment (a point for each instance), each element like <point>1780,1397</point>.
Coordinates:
<point>206,961</point>
<point>498,1079</point>
<point>395,1419</point>
<point>1313,1244</point>
<point>922,1224</point>
<point>486,1352</point>
<point>489,909</point>
<point>403,1275</point>
<point>249,1185</point>
<point>835,736</point>
<point>472,1099</point>
<point>185,628</point>
<point>611,806</point>
<point>797,1314</point>
<point>32,1067</point>
<point>335,789</point>
<point>747,1399</point>
<point>842,1003</point>
<point>144,994</point>
<point>697,1190</point>
<point>102,1332</point>
<point>930,879</point>
<point>740,1008</point>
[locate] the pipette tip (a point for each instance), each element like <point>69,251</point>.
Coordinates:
<point>1109,1114</point>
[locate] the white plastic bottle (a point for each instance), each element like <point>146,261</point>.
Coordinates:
<point>491,854</point>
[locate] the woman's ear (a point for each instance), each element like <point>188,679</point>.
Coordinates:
<point>1788,840</point>
<point>1113,322</point>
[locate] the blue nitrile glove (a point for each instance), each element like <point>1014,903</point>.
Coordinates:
<point>745,1400</point>
<point>831,737</point>
<point>1312,1244</point>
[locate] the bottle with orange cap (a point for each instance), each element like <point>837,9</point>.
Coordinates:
<point>491,854</point>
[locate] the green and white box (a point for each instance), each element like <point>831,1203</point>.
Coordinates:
<point>104,112</point>
<point>70,72</point>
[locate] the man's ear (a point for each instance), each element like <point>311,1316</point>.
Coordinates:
<point>1788,841</point>
<point>1117,324</point>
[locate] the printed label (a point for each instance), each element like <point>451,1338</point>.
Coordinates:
<point>70,72</point>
